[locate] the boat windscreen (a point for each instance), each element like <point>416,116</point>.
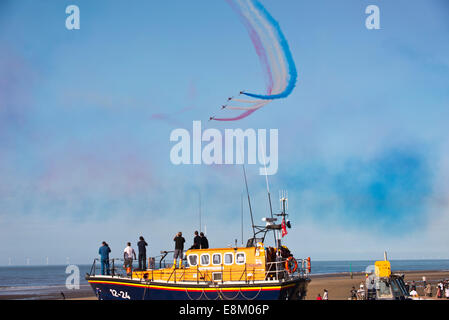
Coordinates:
<point>401,285</point>
<point>252,242</point>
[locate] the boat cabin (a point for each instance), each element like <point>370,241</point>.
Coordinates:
<point>255,263</point>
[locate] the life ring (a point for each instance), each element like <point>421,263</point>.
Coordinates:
<point>290,260</point>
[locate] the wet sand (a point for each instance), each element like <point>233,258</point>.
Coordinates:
<point>81,294</point>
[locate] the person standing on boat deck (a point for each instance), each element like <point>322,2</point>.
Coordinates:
<point>142,253</point>
<point>204,243</point>
<point>104,254</point>
<point>128,255</point>
<point>179,247</point>
<point>196,241</point>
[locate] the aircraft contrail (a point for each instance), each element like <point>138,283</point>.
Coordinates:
<point>274,55</point>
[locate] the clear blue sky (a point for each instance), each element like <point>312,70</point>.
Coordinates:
<point>86,115</point>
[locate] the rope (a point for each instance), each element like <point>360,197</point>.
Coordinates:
<point>226,298</point>
<point>207,298</point>
<point>202,293</point>
<point>188,295</point>
<point>146,287</point>
<point>260,289</point>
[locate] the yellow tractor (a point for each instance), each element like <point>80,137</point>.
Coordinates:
<point>383,285</point>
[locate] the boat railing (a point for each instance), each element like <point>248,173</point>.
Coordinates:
<point>273,271</point>
<point>115,267</point>
<point>110,267</point>
<point>276,270</point>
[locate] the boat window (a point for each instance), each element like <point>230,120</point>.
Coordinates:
<point>228,258</point>
<point>205,259</point>
<point>193,260</point>
<point>217,276</point>
<point>216,258</point>
<point>240,258</point>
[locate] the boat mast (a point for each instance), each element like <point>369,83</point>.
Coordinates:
<point>241,205</point>
<point>268,189</point>
<point>249,203</point>
<point>199,193</point>
<point>284,204</point>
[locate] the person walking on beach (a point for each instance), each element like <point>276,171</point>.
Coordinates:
<point>196,241</point>
<point>141,245</point>
<point>428,290</point>
<point>325,295</point>
<point>128,255</point>
<point>104,257</point>
<point>204,242</point>
<point>353,294</point>
<point>440,290</point>
<point>179,248</point>
<point>447,291</point>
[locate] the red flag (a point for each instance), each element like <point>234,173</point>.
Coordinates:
<point>284,228</point>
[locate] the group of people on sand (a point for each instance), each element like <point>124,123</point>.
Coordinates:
<point>357,294</point>
<point>129,255</point>
<point>324,297</point>
<point>442,289</point>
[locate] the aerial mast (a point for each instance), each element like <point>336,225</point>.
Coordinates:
<point>268,191</point>
<point>249,203</point>
<point>241,205</point>
<point>199,193</point>
<point>283,201</point>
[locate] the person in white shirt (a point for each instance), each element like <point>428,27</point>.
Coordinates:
<point>128,255</point>
<point>361,292</point>
<point>325,295</point>
<point>414,293</point>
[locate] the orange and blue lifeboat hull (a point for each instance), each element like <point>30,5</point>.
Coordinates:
<point>113,288</point>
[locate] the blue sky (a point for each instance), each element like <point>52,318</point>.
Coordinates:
<point>86,115</point>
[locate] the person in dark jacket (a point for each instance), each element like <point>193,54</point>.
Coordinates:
<point>179,247</point>
<point>204,243</point>
<point>353,294</point>
<point>104,257</point>
<point>142,253</point>
<point>196,241</point>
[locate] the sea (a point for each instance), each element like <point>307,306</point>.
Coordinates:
<point>49,281</point>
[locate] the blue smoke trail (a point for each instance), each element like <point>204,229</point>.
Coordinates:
<point>286,49</point>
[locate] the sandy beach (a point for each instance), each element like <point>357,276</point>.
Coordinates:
<point>338,285</point>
